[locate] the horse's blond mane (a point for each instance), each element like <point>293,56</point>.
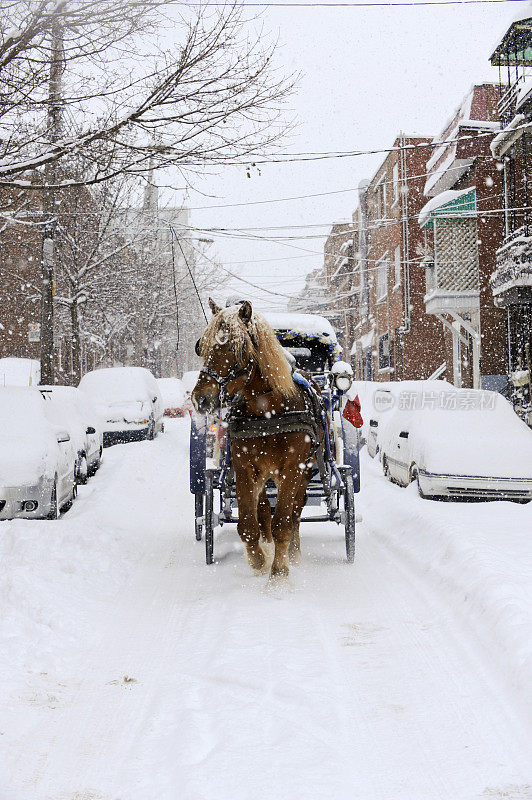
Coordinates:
<point>267,351</point>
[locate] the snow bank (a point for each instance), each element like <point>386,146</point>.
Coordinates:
<point>19,372</point>
<point>479,553</point>
<point>58,576</point>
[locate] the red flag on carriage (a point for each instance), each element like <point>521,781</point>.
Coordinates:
<point>352,413</point>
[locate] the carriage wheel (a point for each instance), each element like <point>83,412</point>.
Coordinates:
<point>198,499</point>
<point>209,528</point>
<point>349,512</point>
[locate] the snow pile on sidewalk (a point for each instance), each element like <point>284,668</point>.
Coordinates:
<point>57,575</point>
<point>479,553</point>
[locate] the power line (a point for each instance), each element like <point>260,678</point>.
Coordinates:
<point>399,3</point>
<point>188,267</point>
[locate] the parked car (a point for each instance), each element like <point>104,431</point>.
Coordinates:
<point>388,395</point>
<point>19,371</point>
<point>128,401</point>
<point>173,396</point>
<point>189,380</point>
<point>476,447</point>
<point>37,459</point>
<point>72,409</point>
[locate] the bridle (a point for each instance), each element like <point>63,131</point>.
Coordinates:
<point>232,375</point>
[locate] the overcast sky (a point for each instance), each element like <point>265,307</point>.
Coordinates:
<point>367,74</point>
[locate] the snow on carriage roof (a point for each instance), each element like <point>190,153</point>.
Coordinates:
<point>307,324</point>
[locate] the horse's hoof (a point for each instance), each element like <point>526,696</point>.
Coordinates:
<point>279,582</point>
<point>294,556</point>
<point>257,562</point>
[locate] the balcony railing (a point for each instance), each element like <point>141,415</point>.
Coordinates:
<point>514,264</point>
<point>508,102</point>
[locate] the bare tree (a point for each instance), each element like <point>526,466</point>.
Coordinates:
<point>211,97</point>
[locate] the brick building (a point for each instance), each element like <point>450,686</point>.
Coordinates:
<point>394,338</point>
<point>20,259</point>
<point>339,261</point>
<point>463,229</point>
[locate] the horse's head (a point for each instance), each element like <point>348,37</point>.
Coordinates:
<point>227,349</point>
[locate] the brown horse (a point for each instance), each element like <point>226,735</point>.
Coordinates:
<point>244,364</point>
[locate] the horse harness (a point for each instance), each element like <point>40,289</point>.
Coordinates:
<point>310,420</point>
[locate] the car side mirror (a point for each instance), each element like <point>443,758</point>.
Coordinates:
<point>154,399</point>
<point>90,429</point>
<point>403,435</point>
<point>63,436</point>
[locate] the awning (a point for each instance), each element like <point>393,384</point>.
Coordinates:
<point>448,204</point>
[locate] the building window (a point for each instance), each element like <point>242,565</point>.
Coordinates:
<point>382,280</point>
<point>395,182</point>
<point>384,352</point>
<point>380,198</point>
<point>397,265</point>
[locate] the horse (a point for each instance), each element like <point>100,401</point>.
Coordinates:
<point>246,367</point>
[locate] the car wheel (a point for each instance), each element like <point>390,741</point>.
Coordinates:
<point>151,432</point>
<point>54,505</point>
<point>385,467</point>
<point>83,471</point>
<point>414,476</point>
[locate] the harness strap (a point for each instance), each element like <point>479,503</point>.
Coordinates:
<point>287,422</point>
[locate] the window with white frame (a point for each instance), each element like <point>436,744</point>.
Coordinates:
<point>397,265</point>
<point>395,182</point>
<point>380,198</point>
<point>382,279</point>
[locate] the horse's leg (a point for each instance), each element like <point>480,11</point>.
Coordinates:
<point>294,550</point>
<point>248,521</point>
<point>288,490</point>
<point>265,516</point>
<point>265,527</point>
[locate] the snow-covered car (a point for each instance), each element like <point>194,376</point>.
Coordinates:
<point>37,458</point>
<point>173,396</point>
<point>475,446</point>
<point>19,371</point>
<point>128,401</point>
<point>72,409</point>
<point>385,396</point>
<point>188,381</point>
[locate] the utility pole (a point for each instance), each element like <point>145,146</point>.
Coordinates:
<point>49,206</point>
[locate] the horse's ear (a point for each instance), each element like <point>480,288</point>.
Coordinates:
<point>214,308</point>
<point>245,311</point>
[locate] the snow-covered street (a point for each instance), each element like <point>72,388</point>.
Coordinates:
<point>130,670</point>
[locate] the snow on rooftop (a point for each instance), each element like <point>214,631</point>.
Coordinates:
<point>441,200</point>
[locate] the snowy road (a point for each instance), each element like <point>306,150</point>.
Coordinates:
<point>131,671</point>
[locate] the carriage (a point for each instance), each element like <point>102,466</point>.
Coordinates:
<point>311,346</point>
